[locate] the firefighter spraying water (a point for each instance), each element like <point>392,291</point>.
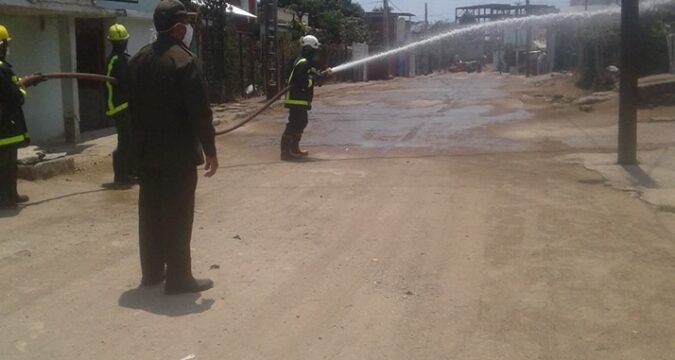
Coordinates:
<point>298,99</point>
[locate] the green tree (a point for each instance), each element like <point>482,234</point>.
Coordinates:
<point>338,21</point>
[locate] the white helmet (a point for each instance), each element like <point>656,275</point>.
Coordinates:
<point>311,41</point>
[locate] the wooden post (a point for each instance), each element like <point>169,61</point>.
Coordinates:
<point>628,90</point>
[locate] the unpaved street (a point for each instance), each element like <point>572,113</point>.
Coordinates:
<point>438,220</point>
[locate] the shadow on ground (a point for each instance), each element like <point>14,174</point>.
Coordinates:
<point>153,300</point>
<point>10,212</point>
<point>639,177</point>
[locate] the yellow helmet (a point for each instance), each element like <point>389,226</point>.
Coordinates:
<point>117,32</point>
<point>4,34</point>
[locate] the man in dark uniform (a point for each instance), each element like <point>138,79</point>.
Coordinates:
<point>299,97</point>
<point>13,130</point>
<point>173,129</point>
<point>117,98</point>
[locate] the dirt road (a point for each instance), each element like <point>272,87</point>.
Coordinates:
<point>436,221</point>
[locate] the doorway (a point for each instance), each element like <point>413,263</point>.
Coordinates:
<point>90,47</point>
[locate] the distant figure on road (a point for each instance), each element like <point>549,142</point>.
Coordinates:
<point>299,97</point>
<point>117,97</point>
<point>173,129</point>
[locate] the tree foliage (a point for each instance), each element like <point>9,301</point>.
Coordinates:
<point>218,49</point>
<point>337,21</point>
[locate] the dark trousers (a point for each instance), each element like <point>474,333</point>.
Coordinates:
<point>123,160</point>
<point>8,173</point>
<point>297,121</point>
<point>166,210</point>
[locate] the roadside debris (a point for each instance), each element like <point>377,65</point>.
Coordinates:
<point>662,118</point>
<point>32,155</point>
<point>595,98</point>
<point>585,108</point>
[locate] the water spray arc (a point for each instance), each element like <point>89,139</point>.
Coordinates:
<point>536,20</point>
<point>548,20</point>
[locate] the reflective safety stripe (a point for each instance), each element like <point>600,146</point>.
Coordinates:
<point>117,109</point>
<point>287,98</point>
<point>112,109</point>
<point>13,140</point>
<point>16,80</point>
<point>296,102</point>
<point>310,81</point>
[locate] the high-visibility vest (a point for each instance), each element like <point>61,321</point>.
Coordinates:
<point>288,99</point>
<point>20,137</point>
<point>112,107</point>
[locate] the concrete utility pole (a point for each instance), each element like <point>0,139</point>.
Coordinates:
<point>528,47</point>
<point>269,47</point>
<point>628,90</point>
<point>426,27</point>
<point>385,18</point>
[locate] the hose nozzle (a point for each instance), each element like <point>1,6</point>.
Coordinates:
<point>327,72</point>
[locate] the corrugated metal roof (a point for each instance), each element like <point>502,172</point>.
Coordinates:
<point>81,8</point>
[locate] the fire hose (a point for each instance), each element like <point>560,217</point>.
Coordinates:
<point>34,79</point>
<point>253,115</point>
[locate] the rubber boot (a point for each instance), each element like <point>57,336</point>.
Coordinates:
<point>122,170</point>
<point>296,146</point>
<point>13,180</point>
<point>191,286</point>
<point>5,199</point>
<point>287,153</point>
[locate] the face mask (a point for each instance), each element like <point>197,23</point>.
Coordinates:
<point>189,32</point>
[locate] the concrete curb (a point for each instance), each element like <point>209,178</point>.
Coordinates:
<point>47,169</point>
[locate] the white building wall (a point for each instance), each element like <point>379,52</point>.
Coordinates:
<point>515,38</point>
<point>35,48</point>
<point>400,31</point>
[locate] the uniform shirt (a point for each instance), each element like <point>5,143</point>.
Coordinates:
<point>170,111</point>
<point>13,130</point>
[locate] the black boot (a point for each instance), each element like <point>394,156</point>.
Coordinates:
<point>13,192</point>
<point>5,200</point>
<point>122,171</point>
<point>191,286</point>
<point>152,281</point>
<point>296,146</point>
<point>287,153</point>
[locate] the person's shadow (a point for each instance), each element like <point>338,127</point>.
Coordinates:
<point>10,212</point>
<point>152,299</point>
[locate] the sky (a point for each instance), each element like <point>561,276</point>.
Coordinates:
<point>445,9</point>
